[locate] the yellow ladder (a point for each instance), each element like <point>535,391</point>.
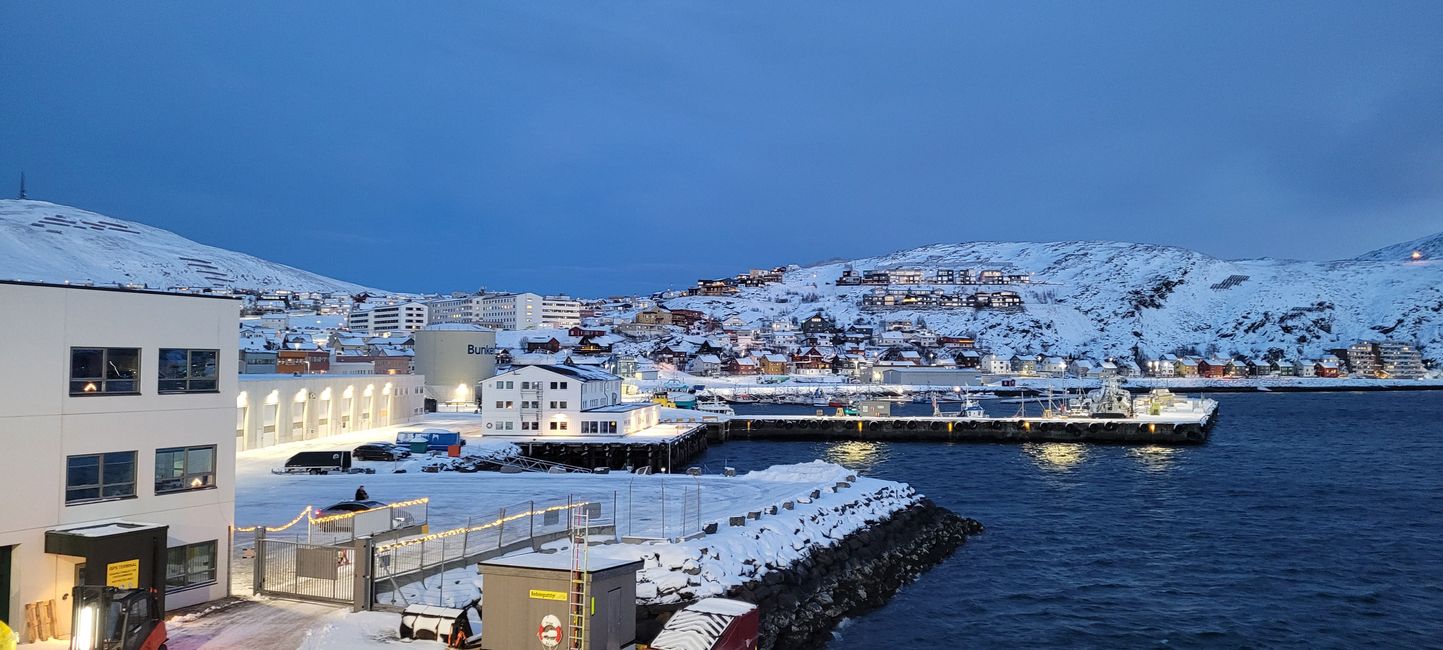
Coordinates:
<point>580,576</point>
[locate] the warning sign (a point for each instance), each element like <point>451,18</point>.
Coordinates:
<point>125,575</point>
<point>542,594</point>
<point>550,631</point>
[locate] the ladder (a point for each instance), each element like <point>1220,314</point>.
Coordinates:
<point>580,577</point>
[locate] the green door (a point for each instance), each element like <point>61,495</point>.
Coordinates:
<point>5,584</point>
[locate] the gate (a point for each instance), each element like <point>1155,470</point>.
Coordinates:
<point>319,572</point>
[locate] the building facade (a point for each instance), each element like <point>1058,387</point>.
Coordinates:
<point>527,311</point>
<point>115,417</point>
<point>559,400</point>
<point>274,409</point>
<point>405,317</point>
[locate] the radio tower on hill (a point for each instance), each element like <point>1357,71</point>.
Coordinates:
<point>22,186</point>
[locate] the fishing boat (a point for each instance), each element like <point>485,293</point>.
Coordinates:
<point>820,400</point>
<point>714,404</point>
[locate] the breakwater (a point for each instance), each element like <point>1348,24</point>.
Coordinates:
<point>801,603</point>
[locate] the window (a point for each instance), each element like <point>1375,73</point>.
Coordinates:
<point>191,565</point>
<point>95,477</point>
<point>504,404</point>
<point>530,426</point>
<point>558,426</point>
<point>558,385</point>
<point>189,371</point>
<point>102,371</point>
<point>509,425</point>
<point>558,405</point>
<point>184,468</point>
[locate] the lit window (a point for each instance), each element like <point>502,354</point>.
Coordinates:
<point>184,468</point>
<point>102,371</point>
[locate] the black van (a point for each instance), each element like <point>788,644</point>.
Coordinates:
<point>318,462</point>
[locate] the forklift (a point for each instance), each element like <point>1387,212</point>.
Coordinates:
<point>111,618</point>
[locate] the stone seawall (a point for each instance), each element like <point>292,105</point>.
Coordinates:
<point>802,603</point>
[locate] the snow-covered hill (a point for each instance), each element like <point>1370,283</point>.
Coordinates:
<point>46,242</point>
<point>1096,298</point>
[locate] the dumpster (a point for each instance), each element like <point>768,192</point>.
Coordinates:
<point>418,446</point>
<point>453,451</point>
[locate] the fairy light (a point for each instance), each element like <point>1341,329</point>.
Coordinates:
<point>471,529</point>
<point>348,515</point>
<point>292,522</point>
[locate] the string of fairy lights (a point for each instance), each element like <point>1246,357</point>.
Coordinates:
<point>471,529</point>
<point>308,515</point>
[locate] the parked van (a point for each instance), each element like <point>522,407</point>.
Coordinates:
<point>435,439</point>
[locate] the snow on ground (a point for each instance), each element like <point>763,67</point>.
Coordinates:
<point>251,623</point>
<point>682,571</point>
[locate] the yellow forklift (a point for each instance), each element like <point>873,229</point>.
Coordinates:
<point>111,618</point>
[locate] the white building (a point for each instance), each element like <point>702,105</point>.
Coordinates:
<point>996,365</point>
<point>466,310</point>
<point>526,311</point>
<point>404,317</point>
<point>119,464</point>
<point>274,409</point>
<point>561,401</point>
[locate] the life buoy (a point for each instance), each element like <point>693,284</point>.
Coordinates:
<point>488,425</point>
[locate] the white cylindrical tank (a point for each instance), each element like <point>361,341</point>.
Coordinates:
<point>455,357</point>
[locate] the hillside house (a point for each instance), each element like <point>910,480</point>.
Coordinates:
<point>741,366</point>
<point>1082,368</point>
<point>995,365</point>
<point>708,365</point>
<point>775,364</point>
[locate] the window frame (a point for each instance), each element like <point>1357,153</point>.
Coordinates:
<point>188,367</point>
<point>100,485</point>
<point>186,474</point>
<point>102,381</point>
<point>208,576</point>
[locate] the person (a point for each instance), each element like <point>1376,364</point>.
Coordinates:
<point>361,494</point>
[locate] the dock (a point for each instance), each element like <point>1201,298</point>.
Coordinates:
<point>1169,429</point>
<point>666,447</point>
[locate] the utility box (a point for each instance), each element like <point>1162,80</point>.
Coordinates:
<point>876,408</point>
<point>527,602</point>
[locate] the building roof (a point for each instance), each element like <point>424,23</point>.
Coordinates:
<point>154,292</point>
<point>584,373</point>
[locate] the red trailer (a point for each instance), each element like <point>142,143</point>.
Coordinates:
<point>711,624</point>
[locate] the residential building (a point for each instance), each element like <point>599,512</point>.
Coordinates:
<point>560,311</point>
<point>1400,360</point>
<point>403,317</point>
<point>115,416</point>
<point>563,401</point>
<point>1362,359</point>
<point>464,309</point>
<point>512,311</point>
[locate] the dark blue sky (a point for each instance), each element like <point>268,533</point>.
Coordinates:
<point>615,147</point>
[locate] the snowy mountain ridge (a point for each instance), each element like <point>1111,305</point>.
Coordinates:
<point>1117,299</point>
<point>47,242</point>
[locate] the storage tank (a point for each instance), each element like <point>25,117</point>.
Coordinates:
<point>455,357</point>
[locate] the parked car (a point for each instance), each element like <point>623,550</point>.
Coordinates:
<point>399,518</point>
<point>379,451</point>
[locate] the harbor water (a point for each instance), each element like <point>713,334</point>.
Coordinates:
<point>1309,519</point>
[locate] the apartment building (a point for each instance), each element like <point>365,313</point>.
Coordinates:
<point>1400,360</point>
<point>403,317</point>
<point>466,310</point>
<point>119,464</point>
<point>560,400</point>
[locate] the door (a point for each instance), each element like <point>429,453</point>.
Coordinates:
<point>5,584</point>
<point>613,620</point>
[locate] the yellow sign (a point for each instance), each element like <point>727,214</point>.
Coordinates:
<point>125,575</point>
<point>542,594</point>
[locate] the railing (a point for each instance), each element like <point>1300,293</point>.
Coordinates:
<point>399,566</point>
<point>392,517</point>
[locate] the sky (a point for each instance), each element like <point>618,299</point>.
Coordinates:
<point>600,148</point>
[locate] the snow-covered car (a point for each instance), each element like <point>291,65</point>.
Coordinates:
<point>380,451</point>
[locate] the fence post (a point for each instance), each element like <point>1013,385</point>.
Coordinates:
<point>362,588</point>
<point>465,540</point>
<point>501,529</point>
<point>663,507</point>
<point>258,575</point>
<point>531,517</point>
<point>615,516</point>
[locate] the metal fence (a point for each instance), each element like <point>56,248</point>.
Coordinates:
<point>407,562</point>
<point>347,526</point>
<point>291,569</point>
<point>655,510</point>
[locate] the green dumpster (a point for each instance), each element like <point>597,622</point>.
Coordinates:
<point>418,446</point>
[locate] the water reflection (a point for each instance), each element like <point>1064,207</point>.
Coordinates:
<point>1155,458</point>
<point>856,454</point>
<point>1056,456</point>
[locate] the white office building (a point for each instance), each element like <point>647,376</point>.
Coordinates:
<point>404,317</point>
<point>464,310</point>
<point>558,400</point>
<point>276,409</point>
<point>526,311</point>
<point>119,463</point>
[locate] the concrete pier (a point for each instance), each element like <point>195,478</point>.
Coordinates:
<point>662,453</point>
<point>1189,430</point>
